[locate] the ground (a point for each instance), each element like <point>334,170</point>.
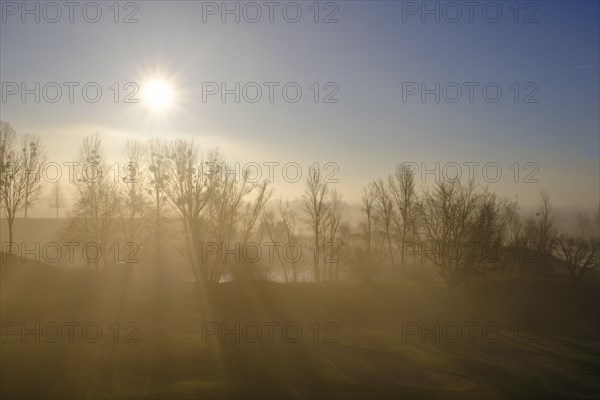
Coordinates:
<point>540,338</point>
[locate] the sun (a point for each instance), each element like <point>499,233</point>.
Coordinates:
<point>158,95</point>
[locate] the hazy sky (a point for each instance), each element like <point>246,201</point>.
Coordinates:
<point>370,54</point>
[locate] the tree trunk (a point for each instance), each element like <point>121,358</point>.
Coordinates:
<point>11,220</point>
<point>316,258</point>
<point>389,240</point>
<point>284,272</point>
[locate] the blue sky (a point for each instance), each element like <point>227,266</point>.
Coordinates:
<point>369,53</point>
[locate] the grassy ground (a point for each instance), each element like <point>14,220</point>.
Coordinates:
<point>541,342</point>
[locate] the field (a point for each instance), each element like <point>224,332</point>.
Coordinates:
<point>519,338</point>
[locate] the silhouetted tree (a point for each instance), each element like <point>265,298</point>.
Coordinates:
<point>33,157</point>
<point>157,161</point>
<point>335,210</point>
<point>517,240</point>
<point>385,215</point>
<point>288,219</point>
<point>314,205</point>
<point>402,189</point>
<point>542,233</point>
<point>250,213</point>
<point>20,183</point>
<point>581,255</point>
<point>489,235</point>
<point>363,260</point>
<point>189,190</point>
<point>97,199</point>
<point>275,230</point>
<point>135,208</point>
<point>12,186</point>
<point>448,216</point>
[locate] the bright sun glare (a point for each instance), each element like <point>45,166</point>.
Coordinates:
<point>158,95</point>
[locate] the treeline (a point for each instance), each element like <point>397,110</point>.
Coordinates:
<point>460,229</point>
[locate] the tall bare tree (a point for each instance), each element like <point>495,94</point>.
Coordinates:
<point>288,219</point>
<point>252,210</point>
<point>402,188</point>
<point>20,180</point>
<point>447,215</point>
<point>188,189</point>
<point>489,235</point>
<point>250,215</point>
<point>7,153</point>
<point>96,206</point>
<point>33,157</point>
<point>12,182</point>
<point>544,233</point>
<point>157,161</point>
<point>228,191</point>
<point>275,230</point>
<point>385,214</point>
<point>335,210</point>
<point>345,233</point>
<point>135,210</point>
<point>363,260</point>
<point>314,205</point>
<point>517,240</point>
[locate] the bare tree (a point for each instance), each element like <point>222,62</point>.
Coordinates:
<point>314,205</point>
<point>363,260</point>
<point>489,235</point>
<point>12,182</point>
<point>288,218</point>
<point>544,233</point>
<point>156,158</point>
<point>385,214</point>
<point>345,231</point>
<point>7,153</point>
<point>135,210</point>
<point>250,216</point>
<point>530,252</point>
<point>275,231</point>
<point>229,191</point>
<point>517,240</point>
<point>253,209</point>
<point>335,210</point>
<point>545,223</point>
<point>581,255</point>
<point>96,199</point>
<point>56,198</point>
<point>211,203</point>
<point>402,188</point>
<point>447,215</point>
<point>33,156</point>
<point>20,183</point>
<point>188,188</point>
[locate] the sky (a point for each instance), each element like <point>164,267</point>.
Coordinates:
<point>370,56</point>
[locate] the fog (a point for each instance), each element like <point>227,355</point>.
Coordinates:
<point>299,200</point>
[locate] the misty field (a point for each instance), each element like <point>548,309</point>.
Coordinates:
<point>358,199</point>
<point>193,283</point>
<point>547,345</point>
